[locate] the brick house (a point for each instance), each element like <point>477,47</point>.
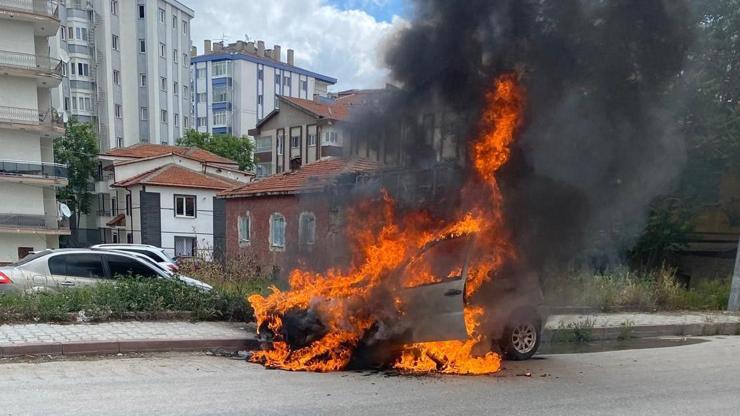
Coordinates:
<point>289,219</point>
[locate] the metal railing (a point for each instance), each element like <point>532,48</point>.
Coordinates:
<point>30,61</point>
<point>41,222</point>
<point>30,116</point>
<point>23,168</point>
<point>49,8</point>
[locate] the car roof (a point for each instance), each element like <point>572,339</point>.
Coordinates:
<point>137,246</point>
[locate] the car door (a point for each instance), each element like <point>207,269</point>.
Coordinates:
<point>434,309</point>
<point>76,269</point>
<point>122,266</point>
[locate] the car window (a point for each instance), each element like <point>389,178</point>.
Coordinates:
<point>124,266</point>
<point>149,254</point>
<point>440,261</point>
<point>31,257</point>
<point>77,265</point>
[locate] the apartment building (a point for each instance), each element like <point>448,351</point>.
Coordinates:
<point>29,212</point>
<point>127,67</point>
<point>237,85</point>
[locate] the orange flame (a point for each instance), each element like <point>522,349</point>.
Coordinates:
<point>344,300</point>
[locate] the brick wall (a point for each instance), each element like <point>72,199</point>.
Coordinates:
<point>327,249</point>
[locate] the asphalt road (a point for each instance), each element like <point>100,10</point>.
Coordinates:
<point>688,380</point>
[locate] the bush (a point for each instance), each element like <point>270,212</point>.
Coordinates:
<point>655,290</point>
<point>145,297</point>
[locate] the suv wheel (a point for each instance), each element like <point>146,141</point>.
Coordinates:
<point>521,339</point>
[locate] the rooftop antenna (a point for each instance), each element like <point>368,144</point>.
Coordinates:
<point>246,37</point>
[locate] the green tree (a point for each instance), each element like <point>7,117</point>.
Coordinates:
<point>77,149</point>
<point>239,149</point>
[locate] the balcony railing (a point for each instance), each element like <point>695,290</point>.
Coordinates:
<point>30,61</point>
<point>30,116</point>
<point>36,222</point>
<point>49,8</point>
<point>42,169</point>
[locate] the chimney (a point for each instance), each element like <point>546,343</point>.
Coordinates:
<point>276,53</point>
<point>193,51</point>
<point>260,48</point>
<point>268,53</point>
<point>241,46</point>
<point>206,47</point>
<point>250,48</point>
<point>290,57</point>
<point>218,46</point>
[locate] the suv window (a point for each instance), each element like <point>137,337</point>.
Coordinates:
<point>124,266</point>
<point>147,253</point>
<point>77,265</point>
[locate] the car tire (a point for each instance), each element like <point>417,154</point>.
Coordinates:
<point>521,337</point>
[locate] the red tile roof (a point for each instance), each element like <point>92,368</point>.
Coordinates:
<point>333,111</point>
<point>178,176</point>
<point>309,178</point>
<point>144,150</point>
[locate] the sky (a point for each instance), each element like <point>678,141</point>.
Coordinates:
<point>343,39</point>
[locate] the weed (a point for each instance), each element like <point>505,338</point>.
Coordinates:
<point>625,330</point>
<point>578,331</point>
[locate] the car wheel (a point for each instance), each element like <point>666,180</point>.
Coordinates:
<point>521,339</point>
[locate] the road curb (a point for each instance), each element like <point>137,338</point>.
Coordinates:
<point>643,331</point>
<point>123,346</point>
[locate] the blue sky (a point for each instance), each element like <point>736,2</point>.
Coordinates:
<point>382,10</point>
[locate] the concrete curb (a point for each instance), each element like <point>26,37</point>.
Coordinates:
<point>645,331</point>
<point>122,346</point>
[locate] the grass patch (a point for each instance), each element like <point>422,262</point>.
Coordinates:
<point>579,332</point>
<point>625,330</point>
<point>650,291</point>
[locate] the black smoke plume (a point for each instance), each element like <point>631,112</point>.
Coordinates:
<point>599,140</point>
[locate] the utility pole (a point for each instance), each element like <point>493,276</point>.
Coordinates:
<point>734,303</point>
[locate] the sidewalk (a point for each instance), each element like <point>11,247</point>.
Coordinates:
<point>126,336</point>
<point>149,336</point>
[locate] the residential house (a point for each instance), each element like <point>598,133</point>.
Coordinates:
<point>29,212</point>
<point>163,195</point>
<point>288,218</point>
<point>127,68</point>
<point>298,132</point>
<point>237,85</point>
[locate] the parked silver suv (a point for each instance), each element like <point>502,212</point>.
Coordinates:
<point>64,268</point>
<point>155,253</point>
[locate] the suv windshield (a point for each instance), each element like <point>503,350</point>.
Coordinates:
<point>31,257</point>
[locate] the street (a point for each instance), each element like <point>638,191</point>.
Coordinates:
<point>700,378</point>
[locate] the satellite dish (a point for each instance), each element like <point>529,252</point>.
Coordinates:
<point>64,210</point>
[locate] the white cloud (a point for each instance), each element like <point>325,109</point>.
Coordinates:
<point>344,44</point>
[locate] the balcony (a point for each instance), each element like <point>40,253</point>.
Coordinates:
<point>40,173</point>
<point>44,14</point>
<point>33,224</point>
<point>47,71</point>
<point>47,124</point>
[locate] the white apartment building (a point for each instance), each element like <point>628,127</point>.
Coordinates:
<point>236,86</point>
<point>29,213</point>
<point>127,66</point>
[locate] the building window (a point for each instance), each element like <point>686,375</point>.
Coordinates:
<point>66,103</point>
<point>70,33</point>
<point>119,143</point>
<point>277,231</point>
<point>307,228</point>
<point>184,27</point>
<point>141,11</point>
<point>84,34</point>
<point>260,73</point>
<point>201,97</point>
<point>219,118</point>
<point>202,121</point>
<point>185,91</point>
<point>185,206</point>
<point>221,94</point>
<point>311,133</point>
<point>220,68</point>
<point>142,80</point>
<point>186,122</point>
<point>185,246</point>
<point>128,196</point>
<point>277,79</point>
<point>295,138</point>
<point>163,83</point>
<point>263,144</point>
<point>114,7</point>
<point>185,60</point>
<point>176,119</point>
<point>118,111</point>
<point>304,85</point>
<point>175,88</point>
<point>144,113</point>
<point>63,32</point>
<point>245,228</point>
<point>163,116</point>
<point>280,142</point>
<point>115,43</point>
<point>174,55</point>
<point>260,99</point>
<point>117,77</point>
<point>162,50</point>
<point>331,137</point>
<point>174,22</point>
<point>161,15</point>
<point>142,46</point>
